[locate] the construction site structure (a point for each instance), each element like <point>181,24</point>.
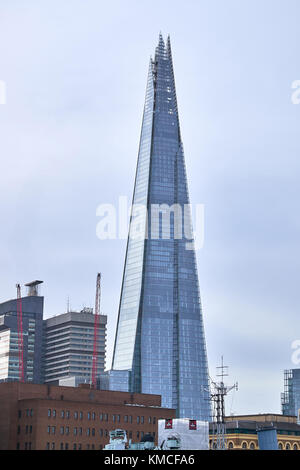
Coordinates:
<point>20,334</point>
<point>96,327</point>
<point>218,394</point>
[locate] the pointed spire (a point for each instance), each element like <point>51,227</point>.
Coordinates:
<point>169,46</point>
<point>161,42</point>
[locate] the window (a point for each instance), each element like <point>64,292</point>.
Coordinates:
<point>68,414</point>
<point>49,413</point>
<point>88,432</point>
<point>26,429</point>
<point>27,413</point>
<point>53,446</point>
<point>244,445</point>
<point>80,431</point>
<point>62,430</point>
<point>138,420</point>
<point>48,446</point>
<point>93,446</point>
<point>149,420</point>
<point>288,447</point>
<point>154,420</point>
<point>89,415</point>
<point>93,431</point>
<point>101,432</point>
<point>76,414</point>
<point>74,446</point>
<point>138,434</point>
<point>118,418</point>
<point>75,431</point>
<point>142,419</point>
<point>130,419</point>
<point>62,414</point>
<point>54,413</point>
<point>53,429</point>
<point>295,447</point>
<point>31,412</point>
<point>93,416</point>
<point>67,446</point>
<point>101,416</point>
<point>252,446</point>
<point>67,430</point>
<point>230,445</point>
<point>61,446</point>
<point>19,430</point>
<point>79,446</point>
<point>125,419</point>
<point>48,429</point>
<point>19,414</point>
<point>130,434</point>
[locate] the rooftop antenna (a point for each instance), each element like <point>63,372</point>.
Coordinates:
<point>219,391</point>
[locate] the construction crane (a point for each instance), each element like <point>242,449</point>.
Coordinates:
<point>20,333</point>
<point>96,326</point>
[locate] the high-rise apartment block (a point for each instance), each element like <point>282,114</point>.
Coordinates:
<point>32,322</point>
<point>69,340</point>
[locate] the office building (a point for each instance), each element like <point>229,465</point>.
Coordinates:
<point>160,338</point>
<point>290,398</point>
<point>32,326</point>
<point>69,341</point>
<point>47,417</point>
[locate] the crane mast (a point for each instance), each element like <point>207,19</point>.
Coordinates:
<point>20,333</point>
<point>96,327</point>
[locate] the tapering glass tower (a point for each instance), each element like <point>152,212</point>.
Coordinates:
<point>160,335</point>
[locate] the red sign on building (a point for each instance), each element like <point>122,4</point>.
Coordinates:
<point>193,425</point>
<point>169,424</point>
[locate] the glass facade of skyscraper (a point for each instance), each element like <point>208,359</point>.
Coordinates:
<point>160,335</point>
<point>290,399</point>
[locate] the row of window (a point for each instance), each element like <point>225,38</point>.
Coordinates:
<point>65,430</point>
<point>28,429</point>
<point>27,413</point>
<point>65,446</point>
<point>116,418</point>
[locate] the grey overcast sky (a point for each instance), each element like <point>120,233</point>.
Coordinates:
<point>75,73</point>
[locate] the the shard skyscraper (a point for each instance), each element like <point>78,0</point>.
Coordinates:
<point>160,336</point>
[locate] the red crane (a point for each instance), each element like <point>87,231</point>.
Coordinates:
<point>20,333</point>
<point>96,326</point>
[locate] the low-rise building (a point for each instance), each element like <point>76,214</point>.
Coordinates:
<point>49,417</point>
<point>241,431</point>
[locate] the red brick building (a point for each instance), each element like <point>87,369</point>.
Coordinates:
<point>42,417</point>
